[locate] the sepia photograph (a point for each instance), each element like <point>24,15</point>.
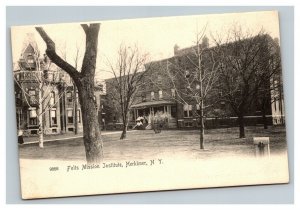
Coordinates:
<point>150,104</point>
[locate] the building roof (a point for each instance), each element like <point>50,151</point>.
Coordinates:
<point>152,103</point>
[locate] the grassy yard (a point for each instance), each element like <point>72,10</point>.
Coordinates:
<point>145,144</point>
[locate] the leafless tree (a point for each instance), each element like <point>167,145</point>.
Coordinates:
<point>46,80</point>
<point>271,89</point>
<point>246,69</point>
<point>76,59</point>
<point>127,76</point>
<point>84,81</point>
<point>193,76</point>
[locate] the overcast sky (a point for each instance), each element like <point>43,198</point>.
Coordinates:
<point>156,36</point>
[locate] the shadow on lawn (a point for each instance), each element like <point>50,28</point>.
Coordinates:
<point>169,143</point>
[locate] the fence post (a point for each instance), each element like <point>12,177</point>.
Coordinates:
<point>262,146</point>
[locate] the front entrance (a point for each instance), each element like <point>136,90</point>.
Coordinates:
<point>167,112</point>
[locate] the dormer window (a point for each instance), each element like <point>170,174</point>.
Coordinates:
<point>30,60</point>
<point>159,79</point>
<point>173,92</point>
<point>160,94</point>
<point>152,96</point>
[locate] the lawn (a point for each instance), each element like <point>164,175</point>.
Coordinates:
<point>145,144</point>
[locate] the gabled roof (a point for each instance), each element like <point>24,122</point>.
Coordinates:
<point>28,49</point>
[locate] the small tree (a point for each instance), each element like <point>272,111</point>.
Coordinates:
<point>84,81</point>
<point>45,78</point>
<point>127,76</point>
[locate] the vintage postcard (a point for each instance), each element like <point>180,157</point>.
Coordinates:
<point>149,104</point>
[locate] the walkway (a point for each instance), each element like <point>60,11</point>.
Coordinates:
<point>62,137</point>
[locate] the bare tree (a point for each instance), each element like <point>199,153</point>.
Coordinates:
<point>246,69</point>
<point>76,58</point>
<point>128,73</point>
<point>45,78</point>
<point>84,81</point>
<point>271,87</point>
<point>196,69</point>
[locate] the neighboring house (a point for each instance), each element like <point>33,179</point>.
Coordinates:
<point>156,94</point>
<point>38,81</point>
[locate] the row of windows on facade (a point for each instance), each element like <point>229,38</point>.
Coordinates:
<point>187,74</point>
<point>160,95</point>
<point>188,110</point>
<point>32,96</point>
<point>32,112</point>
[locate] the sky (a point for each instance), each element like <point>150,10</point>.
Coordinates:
<point>154,36</point>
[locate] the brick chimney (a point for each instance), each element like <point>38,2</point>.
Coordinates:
<point>176,49</point>
<point>205,42</point>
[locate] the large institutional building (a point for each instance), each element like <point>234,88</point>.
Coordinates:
<point>159,93</point>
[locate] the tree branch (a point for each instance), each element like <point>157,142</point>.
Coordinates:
<point>51,53</point>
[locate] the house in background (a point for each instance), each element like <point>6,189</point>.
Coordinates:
<point>38,81</point>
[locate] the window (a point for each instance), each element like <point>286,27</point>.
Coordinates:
<point>197,87</point>
<point>143,97</point>
<point>198,109</point>
<point>50,76</point>
<point>32,96</point>
<point>77,97</point>
<point>159,80</point>
<point>30,60</point>
<point>152,96</point>
<point>69,97</point>
<point>53,117</point>
<point>32,116</point>
<point>31,92</point>
<point>173,93</point>
<point>187,110</point>
<point>187,74</point>
<point>160,94</point>
<point>79,116</point>
<point>70,116</point>
<point>52,98</point>
<point>18,95</point>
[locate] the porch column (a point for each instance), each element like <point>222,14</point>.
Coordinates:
<point>134,114</point>
<point>168,110</point>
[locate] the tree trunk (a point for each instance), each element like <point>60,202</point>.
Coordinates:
<point>75,107</point>
<point>41,130</point>
<point>201,126</point>
<point>40,116</point>
<point>241,125</point>
<point>124,129</point>
<point>124,132</point>
<point>264,118</point>
<point>91,132</point>
<point>265,121</point>
<point>84,81</point>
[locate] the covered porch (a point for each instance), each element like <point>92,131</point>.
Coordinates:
<point>163,108</point>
